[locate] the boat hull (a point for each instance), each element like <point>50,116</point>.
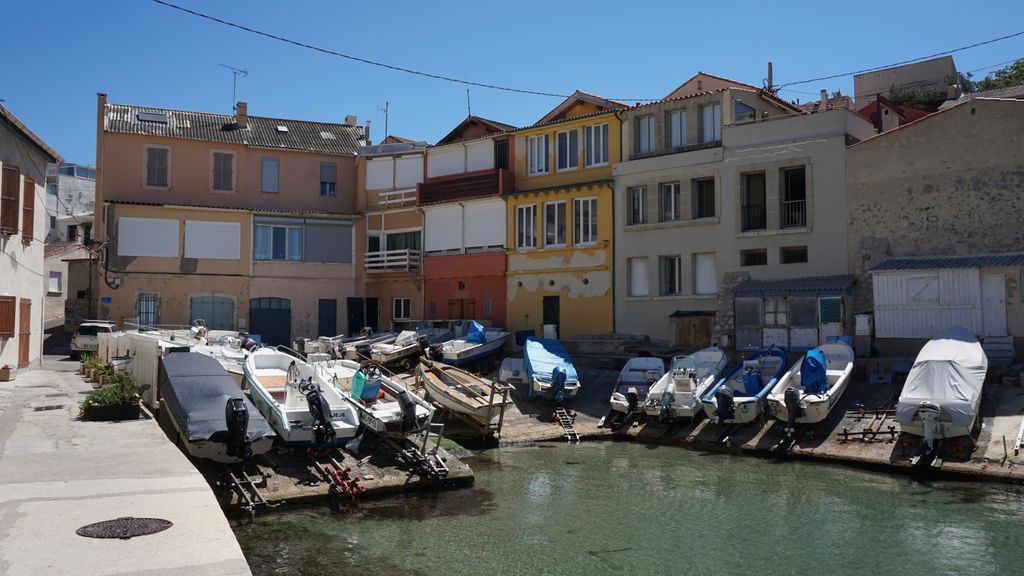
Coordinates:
<point>476,353</point>
<point>747,409</point>
<point>688,407</point>
<point>442,393</point>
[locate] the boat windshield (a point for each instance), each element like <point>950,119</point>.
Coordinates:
<point>684,363</point>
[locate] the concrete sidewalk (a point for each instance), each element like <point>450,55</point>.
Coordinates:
<point>58,474</point>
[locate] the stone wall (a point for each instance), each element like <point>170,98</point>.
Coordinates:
<point>952,183</point>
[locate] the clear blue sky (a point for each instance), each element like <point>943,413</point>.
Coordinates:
<point>60,54</point>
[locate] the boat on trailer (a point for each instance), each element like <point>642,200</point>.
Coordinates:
<point>633,383</point>
<point>303,412</point>
<point>549,370</point>
<point>812,386</point>
<point>677,394</point>
<point>460,391</point>
<point>738,398</point>
<point>477,344</point>
<point>386,407</point>
<point>942,395</point>
<point>210,413</point>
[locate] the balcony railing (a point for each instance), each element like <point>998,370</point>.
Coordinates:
<point>455,187</point>
<point>794,213</point>
<point>393,199</point>
<point>755,217</point>
<point>393,261</point>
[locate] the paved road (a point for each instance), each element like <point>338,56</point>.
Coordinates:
<point>58,473</point>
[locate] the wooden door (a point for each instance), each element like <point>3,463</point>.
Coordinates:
<point>24,331</point>
<point>993,304</point>
<point>693,332</point>
<point>327,321</point>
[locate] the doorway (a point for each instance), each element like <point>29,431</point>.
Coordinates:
<point>993,304</point>
<point>552,313</point>
<point>327,322</point>
<point>271,319</point>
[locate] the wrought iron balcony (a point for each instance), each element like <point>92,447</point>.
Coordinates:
<point>392,261</point>
<point>794,213</point>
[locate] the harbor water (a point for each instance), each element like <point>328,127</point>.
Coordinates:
<point>624,508</point>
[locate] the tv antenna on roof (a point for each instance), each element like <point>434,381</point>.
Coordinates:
<point>385,110</point>
<point>236,72</point>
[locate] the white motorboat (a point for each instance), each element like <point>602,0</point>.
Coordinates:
<point>211,416</point>
<point>738,398</point>
<point>302,411</point>
<point>477,344</point>
<point>942,395</point>
<point>460,391</point>
<point>633,382</point>
<point>359,349</point>
<point>812,386</point>
<point>386,407</point>
<point>677,394</point>
<point>403,350</point>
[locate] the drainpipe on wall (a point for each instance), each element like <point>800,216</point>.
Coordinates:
<point>622,134</point>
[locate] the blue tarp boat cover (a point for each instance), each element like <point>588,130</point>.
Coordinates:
<point>541,356</point>
<point>812,372</point>
<point>195,389</point>
<point>475,334</point>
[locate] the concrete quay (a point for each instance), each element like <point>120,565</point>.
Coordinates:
<point>58,473</point>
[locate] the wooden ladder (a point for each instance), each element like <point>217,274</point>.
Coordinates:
<point>566,422</point>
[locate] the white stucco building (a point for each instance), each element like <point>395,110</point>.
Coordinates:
<point>24,158</point>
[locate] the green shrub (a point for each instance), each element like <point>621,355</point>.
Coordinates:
<point>119,389</point>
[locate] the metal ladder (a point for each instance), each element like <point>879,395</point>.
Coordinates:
<point>566,422</point>
<point>422,458</point>
<point>237,479</point>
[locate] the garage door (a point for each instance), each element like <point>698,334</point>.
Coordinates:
<point>271,319</point>
<point>217,310</point>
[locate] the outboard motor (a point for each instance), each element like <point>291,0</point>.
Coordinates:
<point>299,345</point>
<point>668,397</point>
<point>237,416</point>
<point>929,414</point>
<point>362,351</point>
<point>632,399</point>
<point>321,411</point>
<point>726,405</point>
<point>424,343</point>
<point>792,401</point>
<point>408,411</point>
<point>437,352</point>
<point>246,343</point>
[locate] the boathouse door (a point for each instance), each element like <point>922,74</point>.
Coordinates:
<point>271,318</point>
<point>327,323</point>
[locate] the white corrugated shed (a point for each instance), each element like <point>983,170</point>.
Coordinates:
<point>920,303</point>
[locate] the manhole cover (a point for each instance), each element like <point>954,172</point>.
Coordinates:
<point>124,528</point>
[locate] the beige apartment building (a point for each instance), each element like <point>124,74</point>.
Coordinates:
<point>730,218</point>
<point>242,221</point>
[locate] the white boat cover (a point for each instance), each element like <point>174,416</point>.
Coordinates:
<point>949,372</point>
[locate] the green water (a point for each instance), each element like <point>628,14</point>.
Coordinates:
<point>602,508</point>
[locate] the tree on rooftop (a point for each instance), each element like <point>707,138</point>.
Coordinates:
<point>1011,75</point>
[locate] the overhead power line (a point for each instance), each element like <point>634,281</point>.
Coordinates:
<point>911,61</point>
<point>374,62</point>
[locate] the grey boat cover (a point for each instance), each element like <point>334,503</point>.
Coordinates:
<point>949,372</point>
<point>195,389</point>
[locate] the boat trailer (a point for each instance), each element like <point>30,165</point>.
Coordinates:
<point>875,427</point>
<point>343,484</point>
<point>566,420</point>
<point>425,461</point>
<point>236,479</point>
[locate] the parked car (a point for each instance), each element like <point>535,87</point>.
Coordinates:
<point>84,339</point>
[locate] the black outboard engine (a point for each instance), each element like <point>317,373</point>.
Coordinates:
<point>408,411</point>
<point>424,343</point>
<point>632,399</point>
<point>792,401</point>
<point>248,344</point>
<point>726,405</point>
<point>237,416</point>
<point>321,412</point>
<point>437,352</point>
<point>362,350</point>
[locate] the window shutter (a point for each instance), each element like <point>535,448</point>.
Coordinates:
<point>9,199</point>
<point>162,165</point>
<point>28,213</point>
<point>7,306</point>
<point>151,166</point>
<point>328,172</point>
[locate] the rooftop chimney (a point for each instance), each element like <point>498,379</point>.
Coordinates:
<point>366,131</point>
<point>824,99</point>
<point>953,92</point>
<point>242,115</point>
<point>351,120</point>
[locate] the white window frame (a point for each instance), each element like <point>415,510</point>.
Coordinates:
<point>572,161</point>
<point>287,242</point>
<point>645,138</point>
<point>595,145</point>
<point>641,193</point>
<point>676,128</point>
<point>536,156</point>
<point>402,305</point>
<point>380,241</point>
<point>631,279</point>
<point>584,231</point>
<point>716,120</point>
<point>59,277</point>
<point>145,166</point>
<point>555,205</point>
<point>676,199</point>
<point>234,171</point>
<point>334,192</point>
<point>677,263</point>
<point>155,296</point>
<point>526,228</point>
<point>277,181</point>
<point>696,278</point>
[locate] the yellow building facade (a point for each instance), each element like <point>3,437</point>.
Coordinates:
<point>559,256</point>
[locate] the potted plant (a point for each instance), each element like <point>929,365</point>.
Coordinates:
<point>6,373</point>
<point>89,364</point>
<point>118,399</point>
